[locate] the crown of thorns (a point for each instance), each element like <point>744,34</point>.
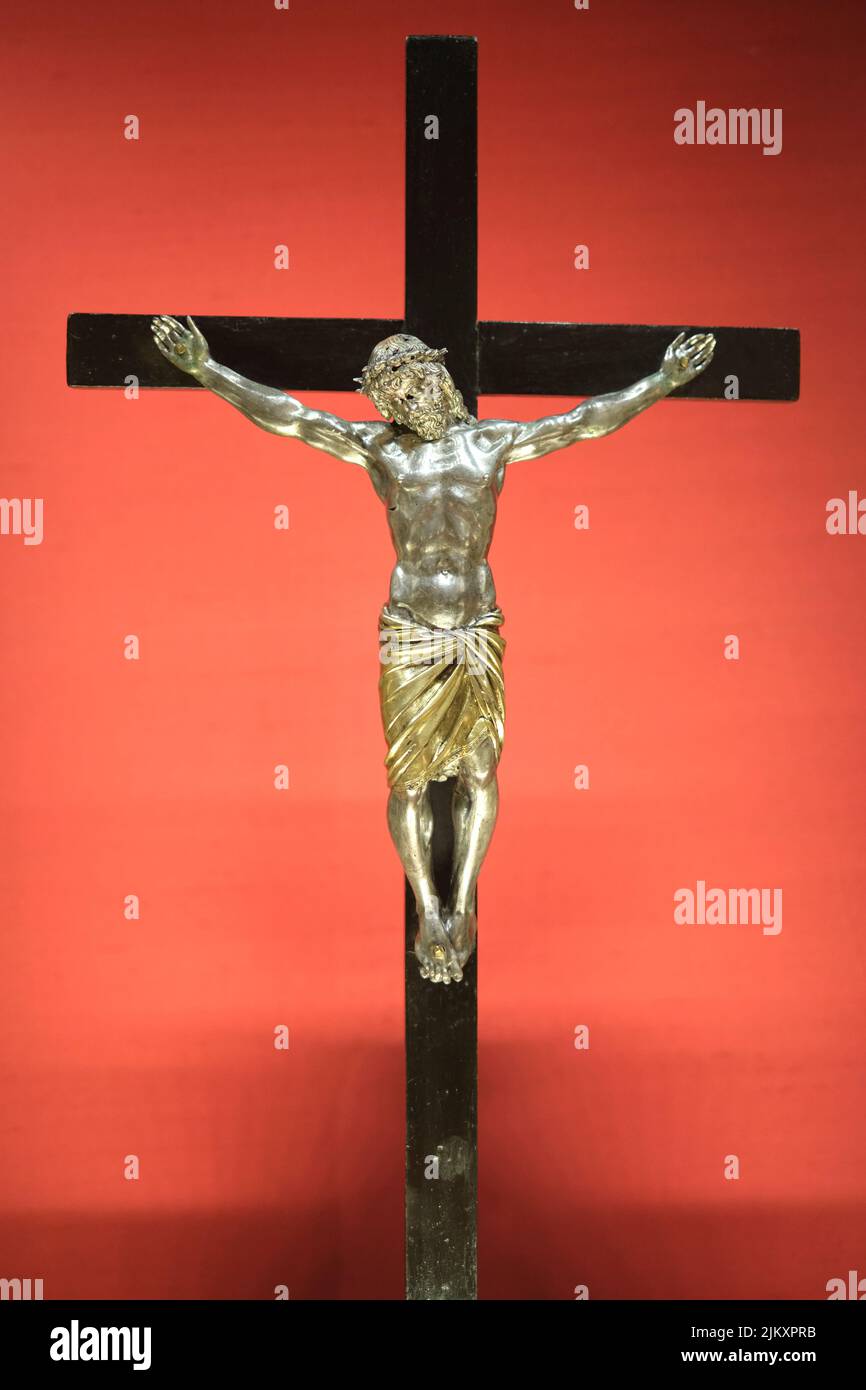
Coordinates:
<point>384,359</point>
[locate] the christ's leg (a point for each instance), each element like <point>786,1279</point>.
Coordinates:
<point>476,801</point>
<point>410,820</point>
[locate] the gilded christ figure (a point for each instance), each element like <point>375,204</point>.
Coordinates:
<point>439,471</point>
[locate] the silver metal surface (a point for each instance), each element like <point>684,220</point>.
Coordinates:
<point>439,472</point>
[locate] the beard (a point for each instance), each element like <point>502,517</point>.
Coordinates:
<point>429,423</point>
<point>429,415</point>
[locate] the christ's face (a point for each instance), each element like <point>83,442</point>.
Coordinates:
<point>421,396</point>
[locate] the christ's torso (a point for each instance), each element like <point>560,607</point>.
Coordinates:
<point>441,499</point>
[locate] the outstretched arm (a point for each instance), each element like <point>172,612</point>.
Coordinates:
<point>271,410</point>
<point>601,415</point>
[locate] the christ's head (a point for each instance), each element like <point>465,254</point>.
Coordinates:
<point>408,383</point>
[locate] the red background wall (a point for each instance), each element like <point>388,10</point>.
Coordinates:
<point>258,647</point>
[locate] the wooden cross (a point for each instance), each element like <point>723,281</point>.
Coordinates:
<point>493,358</point>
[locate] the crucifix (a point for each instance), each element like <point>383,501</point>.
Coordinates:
<point>439,470</point>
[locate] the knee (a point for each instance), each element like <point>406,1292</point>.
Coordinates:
<point>407,801</point>
<point>406,796</point>
<point>410,806</point>
<point>478,769</point>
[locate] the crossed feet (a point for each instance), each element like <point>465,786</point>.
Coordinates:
<point>444,943</point>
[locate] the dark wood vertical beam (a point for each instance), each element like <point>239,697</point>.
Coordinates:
<point>442,202</point>
<point>441,1021</point>
<point>441,1106</point>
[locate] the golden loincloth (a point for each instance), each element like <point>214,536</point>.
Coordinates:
<point>441,693</point>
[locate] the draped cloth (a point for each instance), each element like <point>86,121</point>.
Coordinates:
<point>441,693</point>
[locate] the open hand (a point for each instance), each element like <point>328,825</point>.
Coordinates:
<point>185,348</point>
<point>687,357</point>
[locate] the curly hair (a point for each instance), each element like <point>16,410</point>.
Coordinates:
<point>375,387</point>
